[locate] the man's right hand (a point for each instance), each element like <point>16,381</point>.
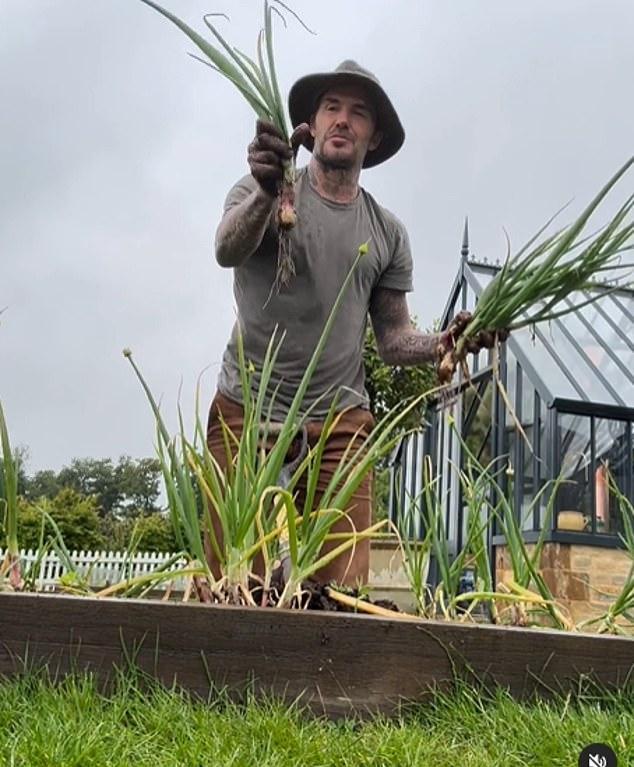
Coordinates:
<point>268,152</point>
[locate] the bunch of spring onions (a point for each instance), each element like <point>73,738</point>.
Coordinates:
<point>532,284</point>
<point>257,82</point>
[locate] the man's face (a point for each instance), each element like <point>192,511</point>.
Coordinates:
<point>344,127</point>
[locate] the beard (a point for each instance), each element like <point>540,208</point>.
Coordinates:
<point>334,163</point>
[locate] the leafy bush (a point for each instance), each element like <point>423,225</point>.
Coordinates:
<point>76,516</point>
<point>150,533</point>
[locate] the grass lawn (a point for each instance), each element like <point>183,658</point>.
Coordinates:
<point>72,725</point>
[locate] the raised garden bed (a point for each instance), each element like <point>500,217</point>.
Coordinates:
<point>335,663</point>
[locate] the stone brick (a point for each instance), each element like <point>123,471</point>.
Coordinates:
<point>578,586</point>
<point>581,563</point>
<point>582,611</point>
<point>607,578</point>
<point>556,556</point>
<point>582,551</point>
<point>604,597</point>
<point>611,561</point>
<point>502,558</point>
<point>602,564</point>
<point>566,584</point>
<point>552,579</point>
<point>503,575</point>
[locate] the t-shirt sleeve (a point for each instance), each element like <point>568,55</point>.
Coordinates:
<point>398,275</point>
<point>239,192</point>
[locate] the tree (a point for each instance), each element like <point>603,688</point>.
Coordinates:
<point>139,482</point>
<point>128,488</point>
<point>43,484</point>
<point>76,517</point>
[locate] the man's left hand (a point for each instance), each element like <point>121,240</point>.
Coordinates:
<point>485,339</point>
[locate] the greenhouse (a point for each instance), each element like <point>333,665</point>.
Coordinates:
<point>555,404</point>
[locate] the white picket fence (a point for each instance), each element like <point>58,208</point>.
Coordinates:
<point>100,568</point>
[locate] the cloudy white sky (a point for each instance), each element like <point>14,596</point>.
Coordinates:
<point>117,149</point>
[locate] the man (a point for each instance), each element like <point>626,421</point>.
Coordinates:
<point>348,122</point>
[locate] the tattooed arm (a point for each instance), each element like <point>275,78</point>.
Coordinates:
<point>242,228</point>
<point>398,341</point>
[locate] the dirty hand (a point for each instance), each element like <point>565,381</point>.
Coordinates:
<point>485,339</point>
<point>268,152</point>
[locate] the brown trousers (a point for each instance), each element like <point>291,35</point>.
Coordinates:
<point>352,567</point>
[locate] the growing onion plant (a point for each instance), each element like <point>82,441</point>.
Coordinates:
<point>446,600</point>
<point>521,599</point>
<point>10,569</point>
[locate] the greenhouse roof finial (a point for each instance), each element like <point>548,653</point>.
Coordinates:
<point>464,251</point>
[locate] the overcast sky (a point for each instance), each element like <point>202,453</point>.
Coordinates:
<point>117,150</point>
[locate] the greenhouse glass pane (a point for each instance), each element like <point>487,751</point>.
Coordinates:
<point>527,446</point>
<point>612,455</point>
<point>483,277</point>
<point>477,430</point>
<point>623,341</point>
<point>596,357</point>
<point>578,365</point>
<point>528,400</point>
<point>542,360</point>
<point>620,303</point>
<point>575,494</point>
<point>543,468</point>
<point>471,299</point>
<point>511,385</point>
<point>483,274</point>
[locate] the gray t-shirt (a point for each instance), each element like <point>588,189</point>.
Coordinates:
<point>324,243</point>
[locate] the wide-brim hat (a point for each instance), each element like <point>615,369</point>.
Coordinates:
<point>305,93</point>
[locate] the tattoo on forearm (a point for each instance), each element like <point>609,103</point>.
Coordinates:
<point>398,341</point>
<point>412,348</point>
<point>241,230</point>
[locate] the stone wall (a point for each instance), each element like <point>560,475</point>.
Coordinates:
<point>584,579</point>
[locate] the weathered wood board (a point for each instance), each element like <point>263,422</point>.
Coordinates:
<point>336,663</point>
